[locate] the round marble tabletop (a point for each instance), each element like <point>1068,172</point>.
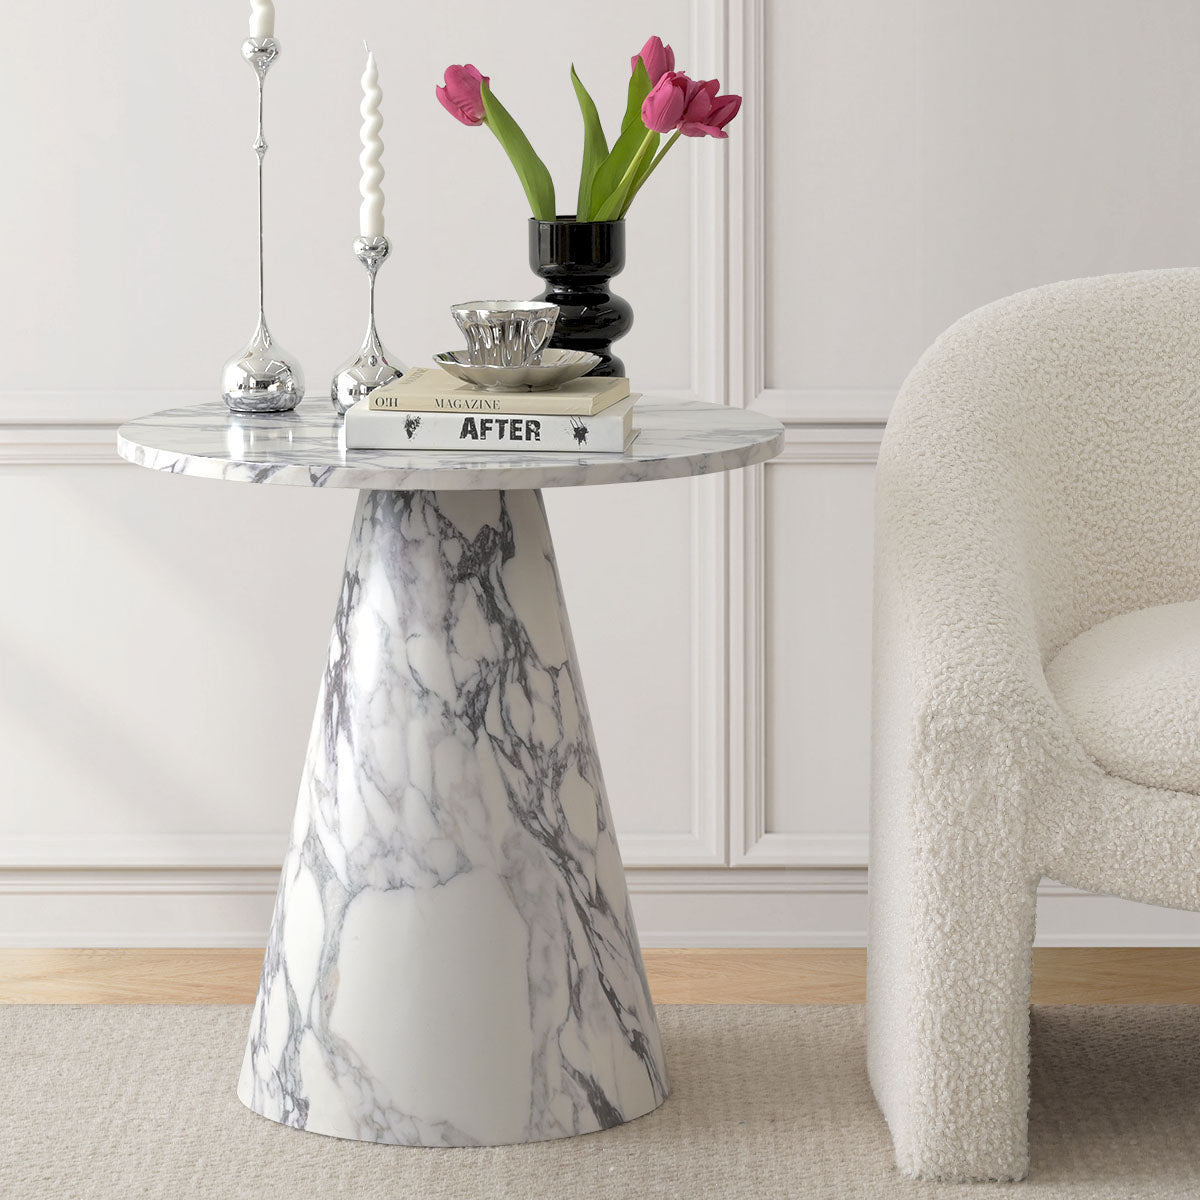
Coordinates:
<point>306,447</point>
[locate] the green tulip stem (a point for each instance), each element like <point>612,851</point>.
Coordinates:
<point>650,170</point>
<point>620,195</point>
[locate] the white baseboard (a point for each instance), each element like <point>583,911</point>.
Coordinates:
<point>231,906</point>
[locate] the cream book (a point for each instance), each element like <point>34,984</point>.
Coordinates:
<point>430,389</point>
<point>375,429</point>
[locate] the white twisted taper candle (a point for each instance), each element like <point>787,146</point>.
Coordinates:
<point>370,214</point>
<point>262,19</point>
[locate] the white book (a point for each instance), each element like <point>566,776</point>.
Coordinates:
<point>373,429</point>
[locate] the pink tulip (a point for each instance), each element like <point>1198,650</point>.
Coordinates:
<point>659,59</point>
<point>705,113</point>
<point>662,110</point>
<point>690,105</point>
<point>462,96</point>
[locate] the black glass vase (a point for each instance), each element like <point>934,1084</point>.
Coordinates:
<point>577,259</point>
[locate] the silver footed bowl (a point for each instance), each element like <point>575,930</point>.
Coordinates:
<point>556,368</point>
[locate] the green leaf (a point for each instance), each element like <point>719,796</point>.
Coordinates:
<point>644,173</point>
<point>613,208</point>
<point>535,179</point>
<point>639,88</point>
<point>595,146</point>
<point>611,178</point>
<point>633,131</point>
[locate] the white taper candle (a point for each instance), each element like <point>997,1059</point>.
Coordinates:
<point>370,215</point>
<point>262,19</point>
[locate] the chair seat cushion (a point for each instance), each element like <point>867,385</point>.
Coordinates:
<point>1131,689</point>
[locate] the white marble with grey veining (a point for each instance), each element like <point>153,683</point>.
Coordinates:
<point>305,447</point>
<point>453,959</point>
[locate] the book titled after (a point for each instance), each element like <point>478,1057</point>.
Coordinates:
<point>610,431</point>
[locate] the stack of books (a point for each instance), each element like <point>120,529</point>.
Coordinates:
<point>428,409</point>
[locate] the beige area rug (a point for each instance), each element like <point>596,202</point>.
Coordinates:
<point>767,1102</point>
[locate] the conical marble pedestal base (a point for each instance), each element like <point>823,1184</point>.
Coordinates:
<point>452,959</point>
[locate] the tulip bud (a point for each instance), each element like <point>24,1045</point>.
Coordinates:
<point>462,95</point>
<point>658,59</point>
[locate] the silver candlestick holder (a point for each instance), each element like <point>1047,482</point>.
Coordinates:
<point>372,366</point>
<point>263,377</point>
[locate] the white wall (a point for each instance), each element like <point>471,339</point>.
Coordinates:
<point>899,162</point>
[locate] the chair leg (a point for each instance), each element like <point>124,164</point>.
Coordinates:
<point>949,1011</point>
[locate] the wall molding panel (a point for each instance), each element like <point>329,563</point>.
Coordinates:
<point>755,845</point>
<point>708,603</point>
<point>52,429</point>
<point>760,843</point>
<point>800,406</point>
<point>185,851</point>
<point>74,428</point>
<point>823,427</point>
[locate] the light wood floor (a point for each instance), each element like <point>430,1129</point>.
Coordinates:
<point>1061,976</point>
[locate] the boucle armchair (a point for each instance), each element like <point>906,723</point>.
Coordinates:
<point>1037,680</point>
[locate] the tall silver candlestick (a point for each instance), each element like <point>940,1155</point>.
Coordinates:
<point>372,366</point>
<point>263,377</point>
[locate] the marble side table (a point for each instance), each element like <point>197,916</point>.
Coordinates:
<point>452,959</point>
